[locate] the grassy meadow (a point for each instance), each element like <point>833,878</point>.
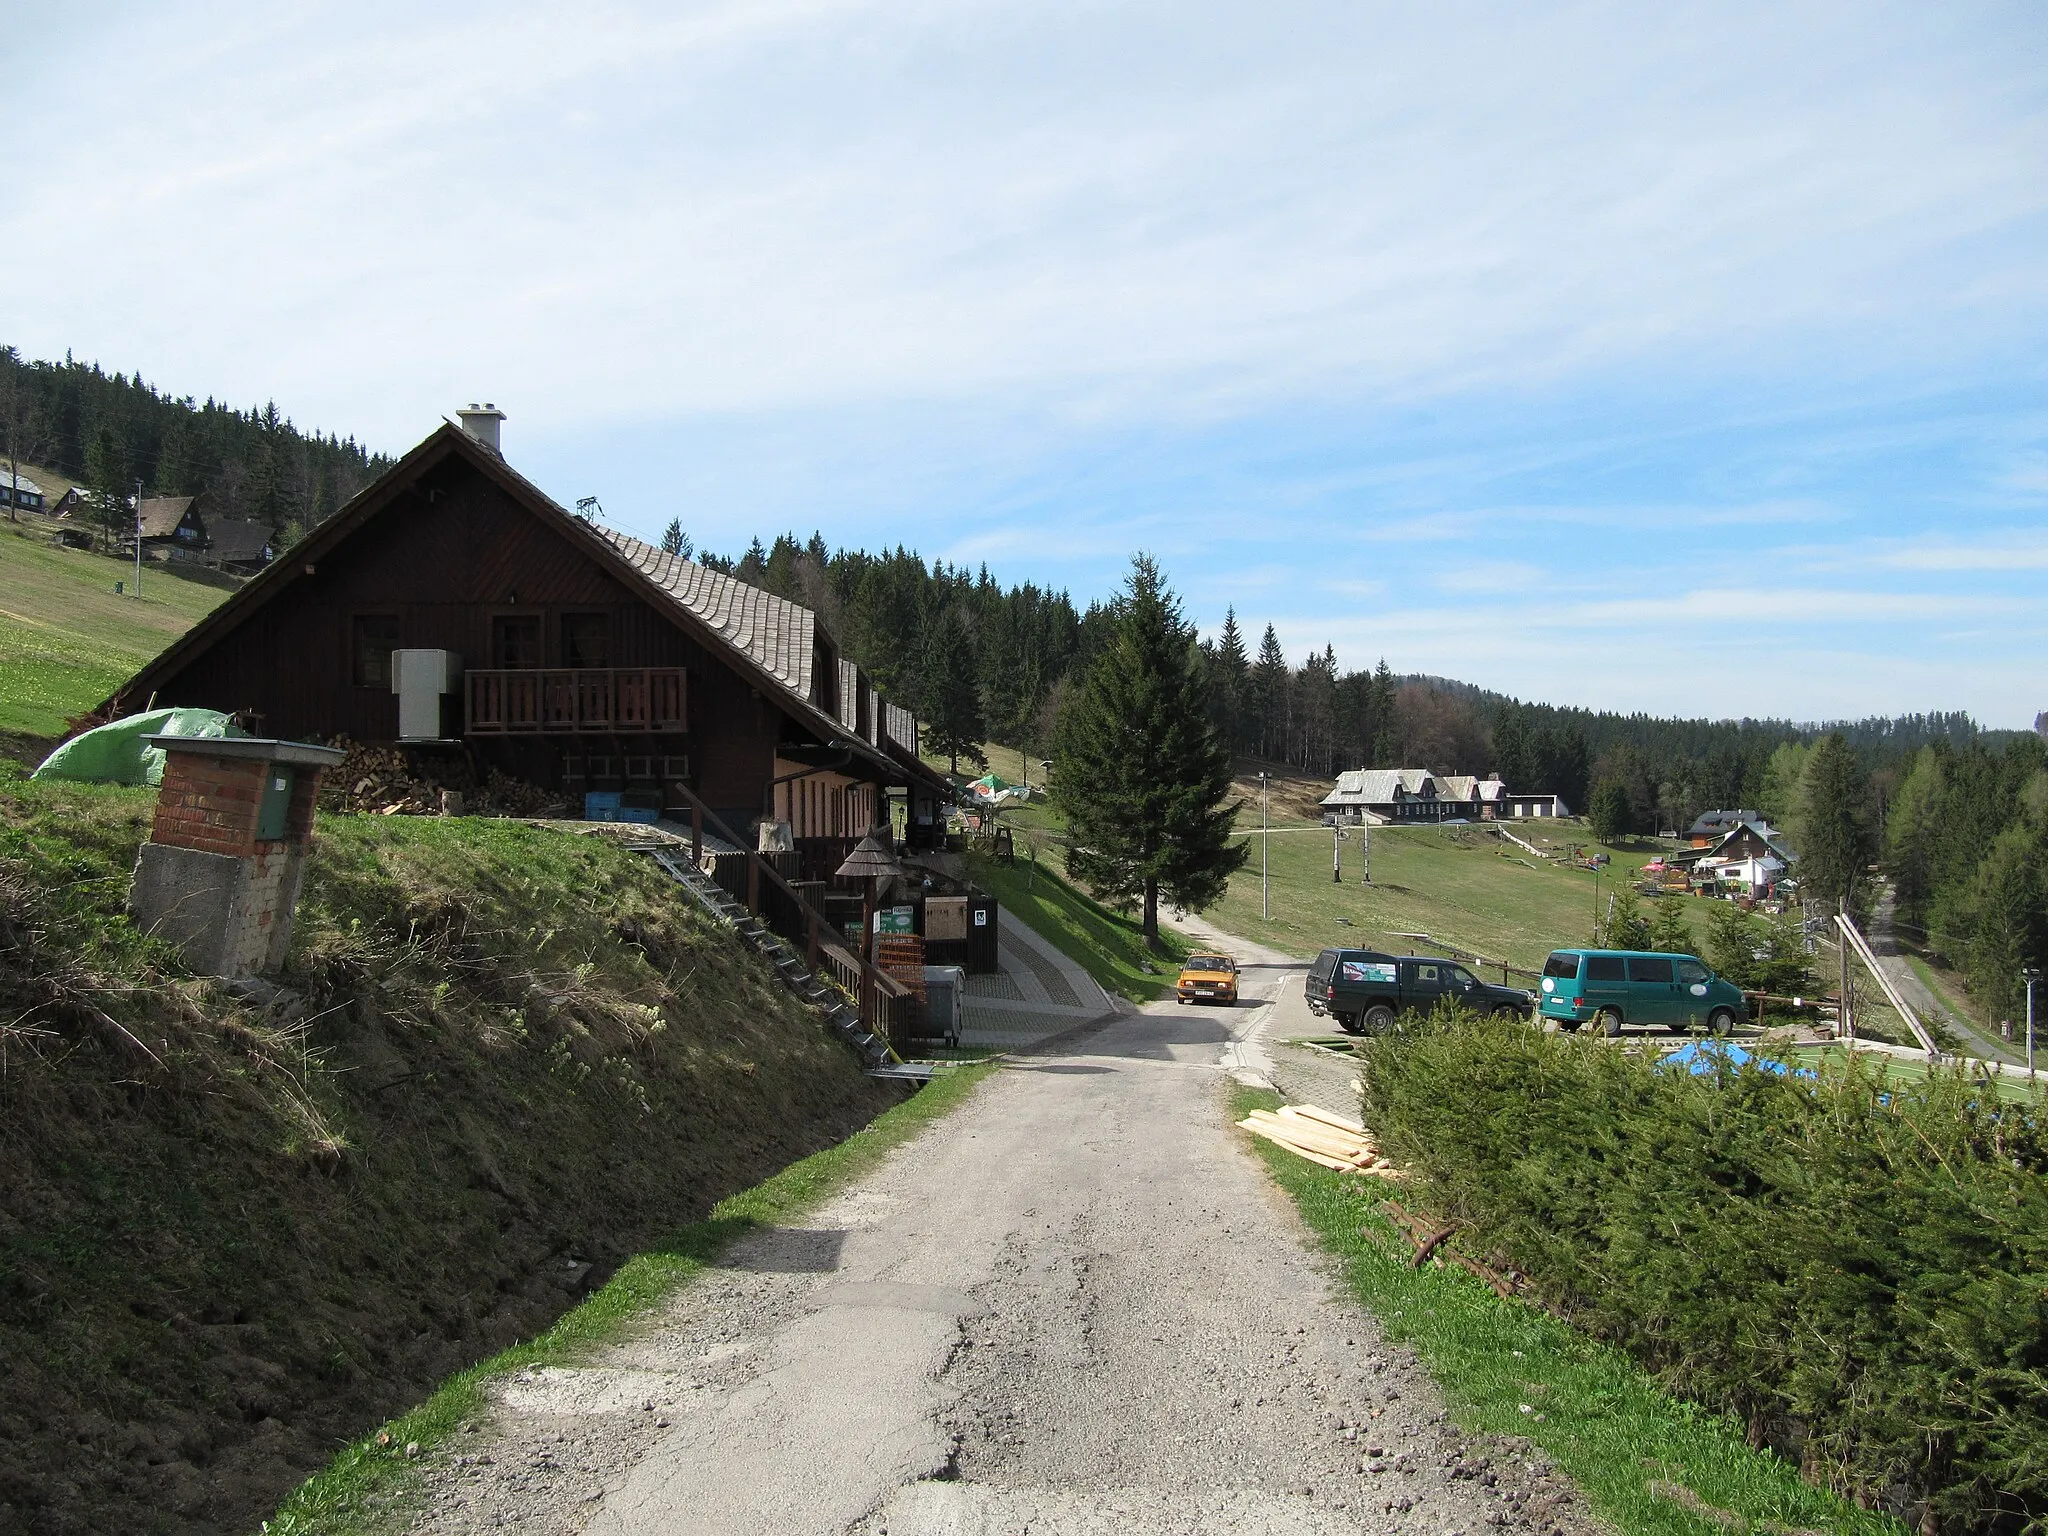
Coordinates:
<point>1465,886</point>
<point>66,639</point>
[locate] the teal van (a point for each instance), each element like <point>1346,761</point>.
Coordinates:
<point>1623,986</point>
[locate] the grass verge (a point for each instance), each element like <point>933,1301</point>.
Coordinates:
<point>366,1482</point>
<point>1650,1464</point>
<point>1104,943</point>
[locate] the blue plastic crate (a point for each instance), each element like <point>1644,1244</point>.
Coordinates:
<point>601,805</point>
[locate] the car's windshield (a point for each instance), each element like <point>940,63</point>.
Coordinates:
<point>1208,963</point>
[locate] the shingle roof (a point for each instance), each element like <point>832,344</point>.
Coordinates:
<point>230,538</point>
<point>777,633</point>
<point>162,514</point>
<point>1456,786</point>
<point>1377,786</point>
<point>1712,822</point>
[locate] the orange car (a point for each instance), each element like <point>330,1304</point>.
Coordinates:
<point>1207,979</point>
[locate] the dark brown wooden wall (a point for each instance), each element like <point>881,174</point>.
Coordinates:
<point>445,558</point>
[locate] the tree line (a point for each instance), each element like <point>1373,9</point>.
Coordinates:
<point>109,431</point>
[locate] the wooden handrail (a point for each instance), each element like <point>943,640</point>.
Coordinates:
<point>868,976</point>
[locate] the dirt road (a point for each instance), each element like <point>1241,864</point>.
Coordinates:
<point>1075,1306</point>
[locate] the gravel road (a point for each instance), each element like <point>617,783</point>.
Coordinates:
<point>1077,1305</point>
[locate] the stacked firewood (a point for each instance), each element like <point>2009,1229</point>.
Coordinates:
<point>389,781</point>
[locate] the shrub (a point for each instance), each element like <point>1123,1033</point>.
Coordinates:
<point>1854,1267</point>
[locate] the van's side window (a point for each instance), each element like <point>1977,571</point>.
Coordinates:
<point>1691,972</point>
<point>1650,970</point>
<point>1604,968</point>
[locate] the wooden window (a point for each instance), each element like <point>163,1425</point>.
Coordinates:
<point>515,640</point>
<point>586,639</point>
<point>372,639</point>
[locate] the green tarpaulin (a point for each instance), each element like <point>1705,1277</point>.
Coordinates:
<point>115,753</point>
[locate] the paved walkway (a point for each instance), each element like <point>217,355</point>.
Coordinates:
<point>1037,993</point>
<point>1075,1307</point>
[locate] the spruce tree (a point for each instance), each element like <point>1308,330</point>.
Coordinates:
<point>1612,812</point>
<point>1139,771</point>
<point>106,473</point>
<point>1832,830</point>
<point>1269,695</point>
<point>949,698</point>
<point>1670,933</point>
<point>1386,741</point>
<point>674,541</point>
<point>1233,677</point>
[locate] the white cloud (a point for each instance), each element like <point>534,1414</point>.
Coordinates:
<point>625,209</point>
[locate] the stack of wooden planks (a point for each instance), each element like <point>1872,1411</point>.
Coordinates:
<point>1321,1137</point>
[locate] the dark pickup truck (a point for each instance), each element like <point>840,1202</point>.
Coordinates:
<point>1363,990</point>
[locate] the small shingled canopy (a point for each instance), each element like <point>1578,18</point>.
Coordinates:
<point>870,860</point>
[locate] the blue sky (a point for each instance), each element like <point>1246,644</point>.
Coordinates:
<point>1684,359</point>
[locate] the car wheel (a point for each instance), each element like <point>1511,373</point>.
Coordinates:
<point>1379,1018</point>
<point>1182,1001</point>
<point>1610,1022</point>
<point>1507,1011</point>
<point>1720,1021</point>
<point>1348,1022</point>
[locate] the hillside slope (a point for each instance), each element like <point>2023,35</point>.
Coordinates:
<point>238,1231</point>
<point>67,639</point>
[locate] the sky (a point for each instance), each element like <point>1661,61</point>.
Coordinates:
<point>1678,358</point>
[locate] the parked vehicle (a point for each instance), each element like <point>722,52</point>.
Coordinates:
<point>1617,986</point>
<point>1363,990</point>
<point>1207,978</point>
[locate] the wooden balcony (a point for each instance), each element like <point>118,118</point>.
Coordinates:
<point>574,702</point>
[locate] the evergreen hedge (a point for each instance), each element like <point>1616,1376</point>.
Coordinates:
<point>1856,1268</point>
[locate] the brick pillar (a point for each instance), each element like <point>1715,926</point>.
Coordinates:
<point>208,880</point>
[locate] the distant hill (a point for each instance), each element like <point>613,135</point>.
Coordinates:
<point>108,431</point>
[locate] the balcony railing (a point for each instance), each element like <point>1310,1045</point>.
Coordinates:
<point>573,701</point>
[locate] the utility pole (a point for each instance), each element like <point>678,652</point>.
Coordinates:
<point>2030,975</point>
<point>1365,852</point>
<point>1336,854</point>
<point>1265,855</point>
<point>138,541</point>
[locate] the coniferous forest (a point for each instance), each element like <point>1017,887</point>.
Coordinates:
<point>110,430</point>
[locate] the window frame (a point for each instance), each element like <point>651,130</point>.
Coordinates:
<point>534,616</point>
<point>356,623</point>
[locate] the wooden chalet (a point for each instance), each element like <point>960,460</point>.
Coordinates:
<point>576,658</point>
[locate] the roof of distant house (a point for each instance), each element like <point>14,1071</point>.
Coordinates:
<point>1379,786</point>
<point>19,482</point>
<point>1714,823</point>
<point>161,515</point>
<point>236,541</point>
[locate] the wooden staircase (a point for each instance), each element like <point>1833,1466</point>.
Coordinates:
<point>841,1015</point>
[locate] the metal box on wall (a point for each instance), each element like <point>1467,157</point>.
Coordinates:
<point>273,807</point>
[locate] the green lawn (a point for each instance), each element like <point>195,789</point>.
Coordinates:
<point>1463,885</point>
<point>1104,943</point>
<point>66,639</point>
<point>1650,1464</point>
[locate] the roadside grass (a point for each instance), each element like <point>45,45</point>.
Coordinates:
<point>1649,1463</point>
<point>365,1486</point>
<point>1462,885</point>
<point>1106,944</point>
<point>66,639</point>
